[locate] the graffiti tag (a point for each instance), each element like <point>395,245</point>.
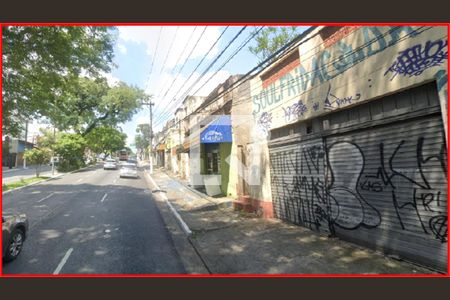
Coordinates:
<point>294,111</point>
<point>415,60</point>
<point>331,101</point>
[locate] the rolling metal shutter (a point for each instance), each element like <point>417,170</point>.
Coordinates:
<point>377,176</point>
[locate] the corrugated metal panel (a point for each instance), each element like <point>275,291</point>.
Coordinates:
<point>382,186</point>
<point>297,182</point>
<point>388,188</point>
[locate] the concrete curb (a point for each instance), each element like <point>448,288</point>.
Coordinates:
<point>200,194</point>
<point>48,179</point>
<point>183,224</point>
<point>212,206</point>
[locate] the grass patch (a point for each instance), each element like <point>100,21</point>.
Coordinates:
<point>22,182</point>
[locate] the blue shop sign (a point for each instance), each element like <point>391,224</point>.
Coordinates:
<point>219,131</point>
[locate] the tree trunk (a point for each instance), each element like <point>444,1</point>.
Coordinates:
<point>38,170</point>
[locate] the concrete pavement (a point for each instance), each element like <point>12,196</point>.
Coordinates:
<point>231,242</point>
<point>13,175</point>
<point>94,222</point>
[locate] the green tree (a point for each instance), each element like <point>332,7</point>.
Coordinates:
<point>47,138</point>
<point>70,147</point>
<point>142,138</point>
<point>37,157</point>
<point>270,39</point>
<point>92,103</point>
<point>105,139</point>
<point>41,63</point>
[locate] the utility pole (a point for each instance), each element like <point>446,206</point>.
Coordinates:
<point>53,151</point>
<point>151,137</point>
<point>150,154</point>
<point>26,135</point>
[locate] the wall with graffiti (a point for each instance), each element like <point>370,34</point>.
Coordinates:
<point>385,188</point>
<point>354,66</point>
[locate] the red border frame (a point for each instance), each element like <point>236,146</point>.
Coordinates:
<point>228,275</point>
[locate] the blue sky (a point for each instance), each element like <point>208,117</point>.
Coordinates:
<point>151,57</point>
<point>135,51</point>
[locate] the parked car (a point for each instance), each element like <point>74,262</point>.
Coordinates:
<point>128,170</point>
<point>14,229</point>
<point>110,164</point>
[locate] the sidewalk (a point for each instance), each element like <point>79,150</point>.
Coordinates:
<point>231,242</point>
<point>14,175</point>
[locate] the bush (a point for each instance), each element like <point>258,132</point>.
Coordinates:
<point>38,157</point>
<point>70,147</point>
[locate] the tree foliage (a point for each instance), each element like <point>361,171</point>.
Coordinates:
<point>270,39</point>
<point>92,103</point>
<point>37,157</point>
<point>47,138</point>
<point>42,63</point>
<point>70,147</point>
<point>105,139</point>
<point>142,138</point>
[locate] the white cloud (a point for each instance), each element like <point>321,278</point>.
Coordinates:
<point>111,79</point>
<point>178,89</point>
<point>148,36</point>
<point>143,120</point>
<point>130,140</point>
<point>122,48</point>
<point>33,129</point>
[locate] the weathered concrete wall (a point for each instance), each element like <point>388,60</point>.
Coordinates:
<point>360,65</point>
<point>249,169</point>
<point>375,174</point>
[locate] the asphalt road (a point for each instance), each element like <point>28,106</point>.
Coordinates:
<point>93,222</point>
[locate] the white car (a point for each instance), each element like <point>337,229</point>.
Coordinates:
<point>110,164</point>
<point>128,170</point>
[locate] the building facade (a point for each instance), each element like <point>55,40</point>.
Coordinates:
<point>355,120</point>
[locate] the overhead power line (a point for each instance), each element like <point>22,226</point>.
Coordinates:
<point>207,69</point>
<point>170,49</point>
<point>178,59</point>
<point>187,59</point>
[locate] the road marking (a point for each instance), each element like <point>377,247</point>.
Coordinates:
<point>185,227</point>
<point>63,262</point>
<point>45,197</point>
<point>104,197</point>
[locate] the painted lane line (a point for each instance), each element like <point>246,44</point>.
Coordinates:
<point>183,224</point>
<point>45,197</point>
<point>63,262</point>
<point>104,197</point>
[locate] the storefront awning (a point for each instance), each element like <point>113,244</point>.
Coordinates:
<point>218,131</point>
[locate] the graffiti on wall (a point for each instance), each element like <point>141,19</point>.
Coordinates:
<point>332,101</point>
<point>316,106</point>
<point>415,60</point>
<point>330,63</point>
<point>265,120</point>
<point>311,187</point>
<point>294,111</point>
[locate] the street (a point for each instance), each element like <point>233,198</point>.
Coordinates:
<point>311,150</point>
<point>92,221</point>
